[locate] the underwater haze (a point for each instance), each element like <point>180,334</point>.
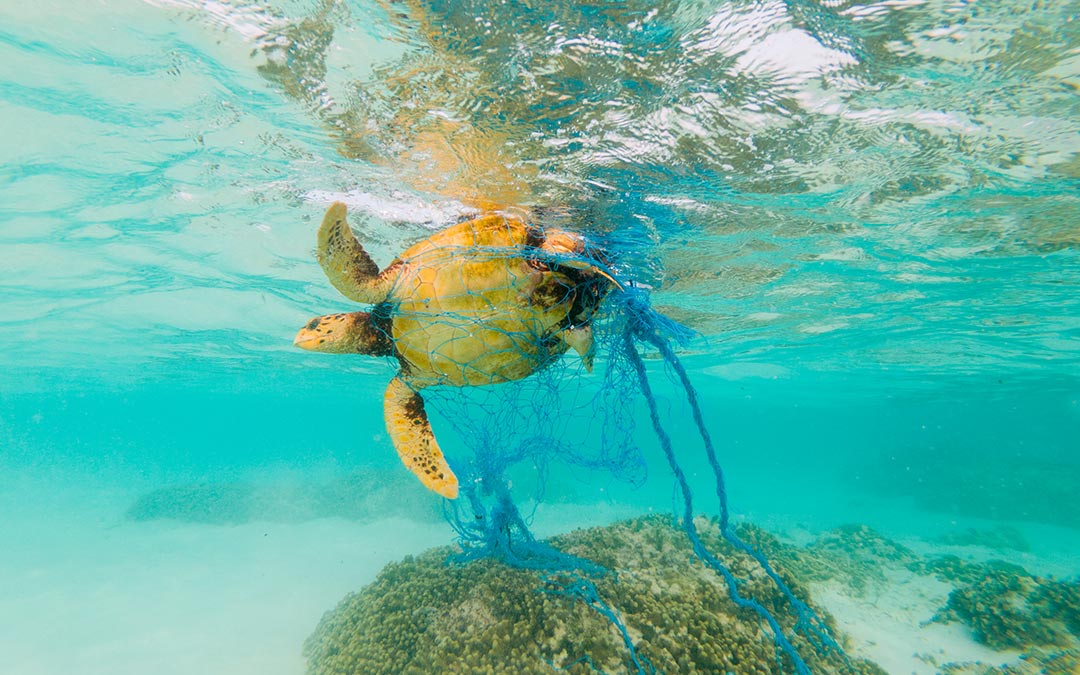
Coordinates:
<point>868,213</point>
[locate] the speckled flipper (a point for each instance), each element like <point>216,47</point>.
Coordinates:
<point>410,431</point>
<point>345,262</point>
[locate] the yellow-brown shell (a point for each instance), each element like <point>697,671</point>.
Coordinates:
<point>472,308</point>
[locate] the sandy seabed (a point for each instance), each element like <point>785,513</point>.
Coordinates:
<point>85,590</point>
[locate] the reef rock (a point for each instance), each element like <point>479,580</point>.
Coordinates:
<point>424,616</point>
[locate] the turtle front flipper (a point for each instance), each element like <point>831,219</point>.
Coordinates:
<point>410,431</point>
<point>345,262</point>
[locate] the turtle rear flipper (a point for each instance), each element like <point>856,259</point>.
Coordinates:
<point>345,262</point>
<point>410,431</point>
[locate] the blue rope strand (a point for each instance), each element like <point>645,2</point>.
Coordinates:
<point>688,516</point>
<point>586,591</point>
<point>646,325</point>
<point>499,531</point>
<point>807,618</point>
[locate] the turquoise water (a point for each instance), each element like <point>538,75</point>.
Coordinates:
<point>868,212</point>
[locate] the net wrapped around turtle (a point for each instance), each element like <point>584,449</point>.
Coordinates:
<point>477,318</point>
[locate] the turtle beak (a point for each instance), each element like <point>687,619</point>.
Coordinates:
<point>307,339</point>
<point>315,333</point>
<point>608,277</point>
<point>579,265</point>
<point>344,333</point>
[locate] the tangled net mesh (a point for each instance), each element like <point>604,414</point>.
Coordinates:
<point>560,415</point>
<point>521,429</point>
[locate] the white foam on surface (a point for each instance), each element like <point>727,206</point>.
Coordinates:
<point>398,207</point>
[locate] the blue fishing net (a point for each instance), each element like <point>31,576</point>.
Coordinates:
<point>504,440</point>
<point>561,415</point>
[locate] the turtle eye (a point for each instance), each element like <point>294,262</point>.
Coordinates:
<point>313,324</point>
<point>538,265</point>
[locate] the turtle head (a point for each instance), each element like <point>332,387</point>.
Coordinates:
<point>347,333</point>
<point>577,253</point>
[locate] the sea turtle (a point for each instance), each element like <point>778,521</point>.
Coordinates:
<point>490,300</point>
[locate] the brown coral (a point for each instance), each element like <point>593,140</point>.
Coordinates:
<point>424,616</point>
<point>1007,608</point>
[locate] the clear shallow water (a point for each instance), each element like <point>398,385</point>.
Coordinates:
<point>874,186</point>
<point>868,211</point>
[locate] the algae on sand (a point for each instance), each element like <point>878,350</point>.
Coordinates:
<point>1007,608</point>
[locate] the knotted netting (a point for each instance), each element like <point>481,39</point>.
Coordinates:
<point>547,412</point>
<point>510,412</point>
